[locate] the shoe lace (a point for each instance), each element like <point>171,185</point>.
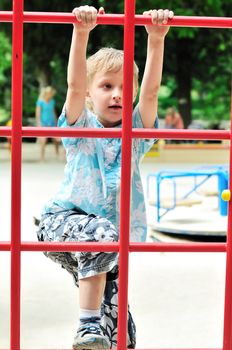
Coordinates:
<point>91,328</point>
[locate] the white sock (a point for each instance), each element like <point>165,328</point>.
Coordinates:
<point>90,315</point>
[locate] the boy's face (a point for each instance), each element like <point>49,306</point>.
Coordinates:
<point>105,93</point>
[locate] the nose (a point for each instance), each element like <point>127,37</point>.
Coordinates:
<point>117,95</point>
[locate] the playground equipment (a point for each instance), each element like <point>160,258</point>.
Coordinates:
<point>17,132</point>
<point>199,176</point>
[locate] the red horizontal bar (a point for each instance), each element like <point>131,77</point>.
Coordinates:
<point>5,131</point>
<point>5,246</point>
<point>118,19</point>
<point>117,133</point>
<point>65,132</point>
<point>114,247</point>
<point>69,247</point>
<point>178,247</point>
<point>146,349</point>
<point>72,132</point>
<point>182,134</point>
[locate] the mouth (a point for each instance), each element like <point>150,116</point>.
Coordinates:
<point>115,107</point>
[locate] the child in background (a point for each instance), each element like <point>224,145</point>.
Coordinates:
<point>46,116</point>
<point>86,208</point>
<point>173,119</point>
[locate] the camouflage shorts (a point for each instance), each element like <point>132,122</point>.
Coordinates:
<point>70,226</point>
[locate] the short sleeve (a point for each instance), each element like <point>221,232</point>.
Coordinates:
<point>142,146</point>
<point>137,119</point>
<point>39,103</point>
<point>80,123</point>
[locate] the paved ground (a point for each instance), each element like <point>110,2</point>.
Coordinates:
<point>177,298</point>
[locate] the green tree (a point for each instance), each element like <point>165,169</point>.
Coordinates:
<point>194,54</point>
<point>5,65</point>
<point>5,56</point>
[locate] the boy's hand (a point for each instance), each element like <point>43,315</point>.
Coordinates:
<point>158,17</point>
<point>86,17</point>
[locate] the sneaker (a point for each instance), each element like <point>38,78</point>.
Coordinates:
<point>90,336</point>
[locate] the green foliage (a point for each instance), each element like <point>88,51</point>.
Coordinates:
<point>5,71</point>
<point>167,97</point>
<point>59,81</point>
<point>5,56</point>
<point>211,100</point>
<point>4,116</point>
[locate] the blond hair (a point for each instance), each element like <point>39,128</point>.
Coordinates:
<point>108,59</point>
<point>47,90</point>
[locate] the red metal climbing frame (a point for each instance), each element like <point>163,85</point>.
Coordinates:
<point>18,17</point>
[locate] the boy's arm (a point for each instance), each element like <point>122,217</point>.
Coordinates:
<point>148,99</point>
<point>77,73</point>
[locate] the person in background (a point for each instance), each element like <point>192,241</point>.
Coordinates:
<point>178,121</point>
<point>173,119</point>
<point>46,116</point>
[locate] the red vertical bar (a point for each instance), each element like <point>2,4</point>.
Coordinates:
<point>17,73</point>
<point>126,171</point>
<point>227,341</point>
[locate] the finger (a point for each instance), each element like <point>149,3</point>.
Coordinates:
<point>79,13</point>
<point>86,14</point>
<point>171,14</point>
<point>154,16</point>
<point>83,13</point>
<point>101,11</point>
<point>160,16</point>
<point>92,15</point>
<point>88,17</point>
<point>166,16</point>
<point>76,12</point>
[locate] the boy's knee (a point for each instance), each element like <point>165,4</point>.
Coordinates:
<point>104,230</point>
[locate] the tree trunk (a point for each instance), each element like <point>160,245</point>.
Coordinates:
<point>184,79</point>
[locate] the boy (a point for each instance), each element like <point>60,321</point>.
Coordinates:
<point>86,209</point>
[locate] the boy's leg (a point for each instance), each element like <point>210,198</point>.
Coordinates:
<point>88,268</point>
<point>90,334</point>
<point>91,292</point>
<point>109,305</point>
<point>58,228</point>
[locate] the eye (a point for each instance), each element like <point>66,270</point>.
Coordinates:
<point>107,86</point>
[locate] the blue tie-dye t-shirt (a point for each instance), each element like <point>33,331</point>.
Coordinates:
<point>92,175</point>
